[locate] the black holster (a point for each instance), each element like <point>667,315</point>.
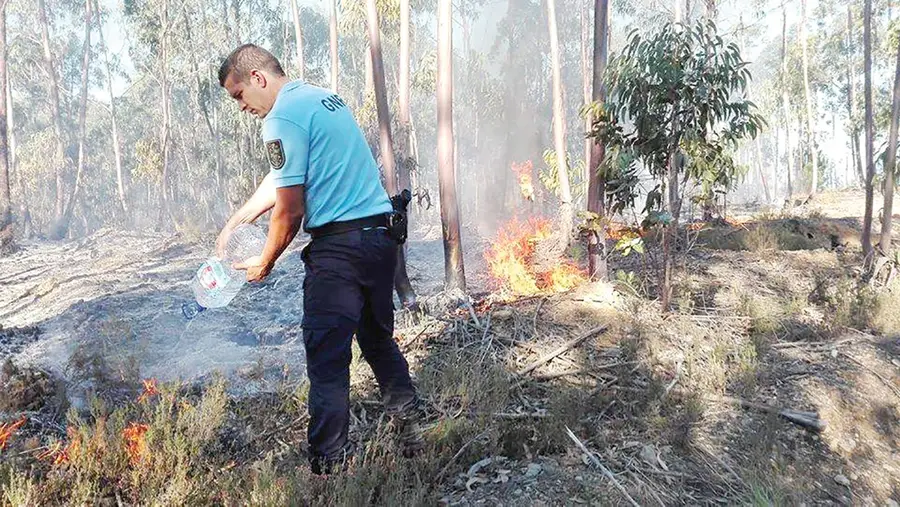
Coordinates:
<point>397,219</point>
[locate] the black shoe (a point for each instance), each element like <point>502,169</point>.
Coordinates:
<point>407,423</point>
<point>331,465</point>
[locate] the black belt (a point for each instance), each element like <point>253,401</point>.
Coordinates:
<point>349,225</point>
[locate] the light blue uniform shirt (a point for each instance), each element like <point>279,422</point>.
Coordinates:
<point>312,139</point>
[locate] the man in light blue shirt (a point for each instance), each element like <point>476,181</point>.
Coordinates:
<point>322,174</point>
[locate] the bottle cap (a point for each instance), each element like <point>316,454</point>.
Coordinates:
<point>191,309</point>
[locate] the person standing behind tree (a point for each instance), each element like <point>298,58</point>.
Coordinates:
<point>324,176</point>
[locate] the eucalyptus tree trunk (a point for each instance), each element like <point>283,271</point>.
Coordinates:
<point>786,103</point>
<point>404,96</point>
<point>60,159</point>
<point>566,210</point>
<point>6,222</point>
<point>333,39</point>
<point>870,132</point>
<point>597,181</point>
<point>370,80</point>
<point>401,279</point>
<point>454,271</point>
<point>810,134</point>
<point>298,39</point>
<point>165,133</point>
<point>586,86</point>
<point>851,100</point>
<point>890,165</point>
<point>62,227</point>
<point>114,133</point>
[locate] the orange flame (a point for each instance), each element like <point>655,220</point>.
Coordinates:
<point>150,389</point>
<point>526,185</point>
<point>8,430</point>
<point>511,264</point>
<point>56,454</point>
<point>135,443</point>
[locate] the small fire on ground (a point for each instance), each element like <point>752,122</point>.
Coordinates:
<point>511,261</point>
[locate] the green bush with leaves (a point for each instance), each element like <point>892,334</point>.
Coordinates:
<point>676,101</point>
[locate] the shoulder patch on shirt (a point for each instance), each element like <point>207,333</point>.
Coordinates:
<point>275,153</point>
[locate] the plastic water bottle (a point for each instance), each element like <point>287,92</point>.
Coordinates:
<point>216,283</point>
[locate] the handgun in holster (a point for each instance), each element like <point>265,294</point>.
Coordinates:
<point>397,219</point>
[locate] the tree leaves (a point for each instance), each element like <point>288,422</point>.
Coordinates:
<point>679,91</point>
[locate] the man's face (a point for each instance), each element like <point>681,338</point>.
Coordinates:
<point>252,94</point>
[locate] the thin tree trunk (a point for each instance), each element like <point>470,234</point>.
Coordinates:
<point>679,14</point>
<point>404,96</point>
<point>370,82</point>
<point>810,134</point>
<point>777,163</point>
<point>786,102</point>
<point>6,222</point>
<point>114,134</point>
<point>62,228</point>
<point>165,134</point>
<point>597,182</point>
<point>454,271</point>
<point>854,114</point>
<point>298,39</point>
<point>762,173</point>
<point>566,211</point>
<point>333,39</point>
<point>586,86</point>
<point>60,161</point>
<point>401,279</point>
<point>890,165</point>
<point>870,132</point>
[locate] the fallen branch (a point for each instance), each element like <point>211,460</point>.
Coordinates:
<point>808,420</point>
<point>562,349</point>
<point>599,465</point>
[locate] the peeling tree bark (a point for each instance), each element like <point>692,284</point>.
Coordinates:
<point>454,271</point>
<point>597,182</point>
<point>566,210</point>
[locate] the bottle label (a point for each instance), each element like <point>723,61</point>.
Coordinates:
<point>212,276</point>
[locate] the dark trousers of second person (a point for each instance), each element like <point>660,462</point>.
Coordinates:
<point>348,288</point>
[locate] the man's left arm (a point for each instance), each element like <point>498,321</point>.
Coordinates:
<point>287,217</point>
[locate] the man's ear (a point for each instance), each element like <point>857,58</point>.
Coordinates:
<point>258,78</point>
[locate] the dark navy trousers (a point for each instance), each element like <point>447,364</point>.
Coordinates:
<point>347,290</point>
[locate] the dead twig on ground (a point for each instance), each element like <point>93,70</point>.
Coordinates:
<point>600,465</point>
<point>562,349</point>
<point>808,420</point>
